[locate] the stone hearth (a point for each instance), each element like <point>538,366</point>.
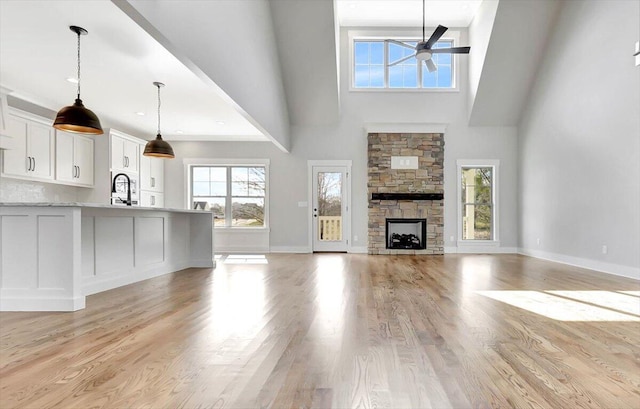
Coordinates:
<point>428,178</point>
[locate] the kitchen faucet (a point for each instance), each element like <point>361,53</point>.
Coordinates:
<point>113,187</point>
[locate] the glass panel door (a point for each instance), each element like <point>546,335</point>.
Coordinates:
<point>329,206</point>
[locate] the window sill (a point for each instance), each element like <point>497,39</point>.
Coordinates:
<point>243,229</point>
<point>383,90</point>
<point>478,243</point>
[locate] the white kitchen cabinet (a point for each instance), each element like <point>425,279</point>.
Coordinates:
<point>74,159</point>
<point>5,140</point>
<point>151,199</point>
<point>124,154</point>
<point>151,174</point>
<point>31,151</point>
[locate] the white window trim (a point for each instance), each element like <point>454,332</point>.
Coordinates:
<point>495,216</point>
<point>392,34</point>
<point>190,162</point>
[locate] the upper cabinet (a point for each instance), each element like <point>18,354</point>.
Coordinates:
<point>5,139</point>
<point>30,154</point>
<point>74,159</point>
<point>124,153</point>
<point>151,174</point>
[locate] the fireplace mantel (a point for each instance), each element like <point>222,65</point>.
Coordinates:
<point>407,196</point>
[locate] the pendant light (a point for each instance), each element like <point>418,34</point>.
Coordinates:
<point>159,148</point>
<point>76,118</point>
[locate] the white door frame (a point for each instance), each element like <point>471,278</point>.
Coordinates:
<point>347,217</point>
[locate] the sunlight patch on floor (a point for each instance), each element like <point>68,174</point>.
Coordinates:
<point>557,306</point>
<point>608,299</point>
<point>237,306</point>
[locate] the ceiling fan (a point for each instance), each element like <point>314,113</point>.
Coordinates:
<point>424,49</point>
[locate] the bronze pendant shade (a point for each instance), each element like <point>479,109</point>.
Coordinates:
<point>158,147</point>
<point>76,118</point>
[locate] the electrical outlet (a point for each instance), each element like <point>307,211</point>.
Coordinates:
<point>538,241</point>
<point>451,238</point>
<point>355,238</point>
<point>605,249</point>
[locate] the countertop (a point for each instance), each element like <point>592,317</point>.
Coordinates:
<point>97,206</point>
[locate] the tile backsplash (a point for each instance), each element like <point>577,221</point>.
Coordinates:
<point>15,190</point>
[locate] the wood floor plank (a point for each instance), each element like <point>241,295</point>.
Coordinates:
<point>337,331</point>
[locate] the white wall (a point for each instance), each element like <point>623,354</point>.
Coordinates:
<point>518,39</point>
<point>579,148</point>
<point>347,140</point>
<point>479,35</point>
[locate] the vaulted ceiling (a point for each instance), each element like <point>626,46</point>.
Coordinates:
<point>247,70</point>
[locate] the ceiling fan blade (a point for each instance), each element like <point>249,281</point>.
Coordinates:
<point>401,60</point>
<point>440,30</point>
<point>400,43</point>
<point>452,50</point>
<point>431,66</point>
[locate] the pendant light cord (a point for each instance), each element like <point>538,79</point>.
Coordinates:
<point>158,108</point>
<point>78,65</point>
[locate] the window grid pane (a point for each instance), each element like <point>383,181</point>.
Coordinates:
<point>443,76</point>
<point>247,212</point>
<point>369,64</point>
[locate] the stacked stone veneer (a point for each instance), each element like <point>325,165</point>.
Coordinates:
<point>428,178</point>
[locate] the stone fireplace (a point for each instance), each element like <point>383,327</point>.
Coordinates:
<point>406,191</point>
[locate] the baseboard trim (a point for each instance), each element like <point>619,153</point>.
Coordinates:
<point>358,250</point>
<point>480,250</point>
<point>202,263</point>
<point>290,249</point>
<point>241,250</point>
<point>90,287</point>
<point>599,266</point>
<point>42,303</point>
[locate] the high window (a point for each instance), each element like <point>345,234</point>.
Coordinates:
<point>372,69</point>
<point>236,194</point>
<point>477,198</point>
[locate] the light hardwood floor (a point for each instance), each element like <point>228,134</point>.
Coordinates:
<point>337,330</point>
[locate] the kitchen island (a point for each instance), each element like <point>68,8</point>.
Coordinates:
<point>52,255</point>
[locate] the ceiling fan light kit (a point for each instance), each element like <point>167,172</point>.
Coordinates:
<point>158,147</point>
<point>77,118</point>
<point>423,55</point>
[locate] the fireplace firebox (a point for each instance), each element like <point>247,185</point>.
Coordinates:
<point>406,234</point>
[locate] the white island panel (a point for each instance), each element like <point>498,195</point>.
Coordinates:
<point>88,247</point>
<point>149,240</point>
<point>40,260</point>
<point>113,245</point>
<point>17,252</point>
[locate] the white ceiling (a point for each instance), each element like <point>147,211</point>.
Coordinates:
<point>119,63</point>
<point>405,13</point>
